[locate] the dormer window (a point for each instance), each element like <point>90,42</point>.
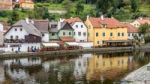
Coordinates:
<point>104,25</point>
<point>53,26</point>
<point>76,26</point>
<point>15,29</point>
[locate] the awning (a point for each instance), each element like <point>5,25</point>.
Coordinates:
<point>50,44</point>
<point>72,43</point>
<point>117,41</point>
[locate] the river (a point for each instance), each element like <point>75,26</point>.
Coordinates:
<point>90,68</point>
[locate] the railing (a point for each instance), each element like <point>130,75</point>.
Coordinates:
<point>19,41</point>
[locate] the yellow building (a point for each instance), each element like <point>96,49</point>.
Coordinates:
<point>106,31</point>
<point>26,4</point>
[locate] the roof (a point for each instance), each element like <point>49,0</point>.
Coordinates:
<point>66,26</point>
<point>109,22</point>
<point>73,20</point>
<point>29,27</point>
<point>131,28</point>
<point>42,25</point>
<point>53,26</point>
<point>144,20</point>
<point>25,1</point>
<point>67,39</point>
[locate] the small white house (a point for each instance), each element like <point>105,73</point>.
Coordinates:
<point>22,36</point>
<point>43,27</point>
<point>80,30</point>
<point>140,21</point>
<point>132,31</point>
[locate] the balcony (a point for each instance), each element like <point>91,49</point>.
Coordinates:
<point>20,41</point>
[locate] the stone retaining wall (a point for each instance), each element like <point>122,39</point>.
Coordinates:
<point>73,52</point>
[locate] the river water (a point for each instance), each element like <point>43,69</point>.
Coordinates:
<point>90,68</point>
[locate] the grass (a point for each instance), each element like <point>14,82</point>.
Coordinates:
<point>145,9</point>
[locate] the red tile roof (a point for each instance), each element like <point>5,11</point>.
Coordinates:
<point>109,22</point>
<point>73,20</point>
<point>67,39</point>
<point>25,1</point>
<point>131,28</point>
<point>144,20</point>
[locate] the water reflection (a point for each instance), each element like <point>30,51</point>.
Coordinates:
<point>85,69</point>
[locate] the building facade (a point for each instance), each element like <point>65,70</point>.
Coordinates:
<point>6,5</point>
<point>43,27</point>
<point>80,30</point>
<point>26,4</point>
<point>65,30</point>
<point>106,31</point>
<point>23,37</point>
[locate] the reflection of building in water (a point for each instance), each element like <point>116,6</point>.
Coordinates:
<point>101,67</point>
<point>1,74</point>
<point>81,65</point>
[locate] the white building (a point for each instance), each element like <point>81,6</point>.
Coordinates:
<point>80,30</point>
<point>22,36</point>
<point>43,27</point>
<point>1,34</point>
<point>132,31</point>
<point>140,21</point>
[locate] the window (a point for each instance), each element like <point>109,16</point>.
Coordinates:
<point>54,26</point>
<point>64,33</point>
<point>84,34</point>
<point>103,33</point>
<point>97,42</point>
<point>111,34</point>
<point>17,37</point>
<point>81,26</point>
<point>11,37</point>
<point>122,34</point>
<point>97,34</point>
<point>118,34</point>
<point>79,33</point>
<point>53,34</point>
<point>74,33</point>
<point>43,35</point>
<point>15,29</point>
<point>128,34</point>
<point>20,29</point>
<point>69,33</point>
<point>76,26</point>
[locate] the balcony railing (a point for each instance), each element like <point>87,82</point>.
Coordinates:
<point>20,41</point>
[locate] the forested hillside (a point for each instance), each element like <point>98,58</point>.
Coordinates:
<point>121,9</point>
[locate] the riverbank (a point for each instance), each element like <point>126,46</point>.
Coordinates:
<point>139,76</point>
<point>73,52</point>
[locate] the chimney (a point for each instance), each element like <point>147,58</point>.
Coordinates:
<point>141,18</point>
<point>27,20</point>
<point>87,17</point>
<point>102,17</point>
<point>61,20</point>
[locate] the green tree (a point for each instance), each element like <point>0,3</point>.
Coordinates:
<point>134,5</point>
<point>79,7</point>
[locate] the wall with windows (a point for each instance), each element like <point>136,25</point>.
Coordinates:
<point>63,33</point>
<point>105,34</point>
<point>16,33</point>
<point>53,36</point>
<point>45,37</point>
<point>80,32</point>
